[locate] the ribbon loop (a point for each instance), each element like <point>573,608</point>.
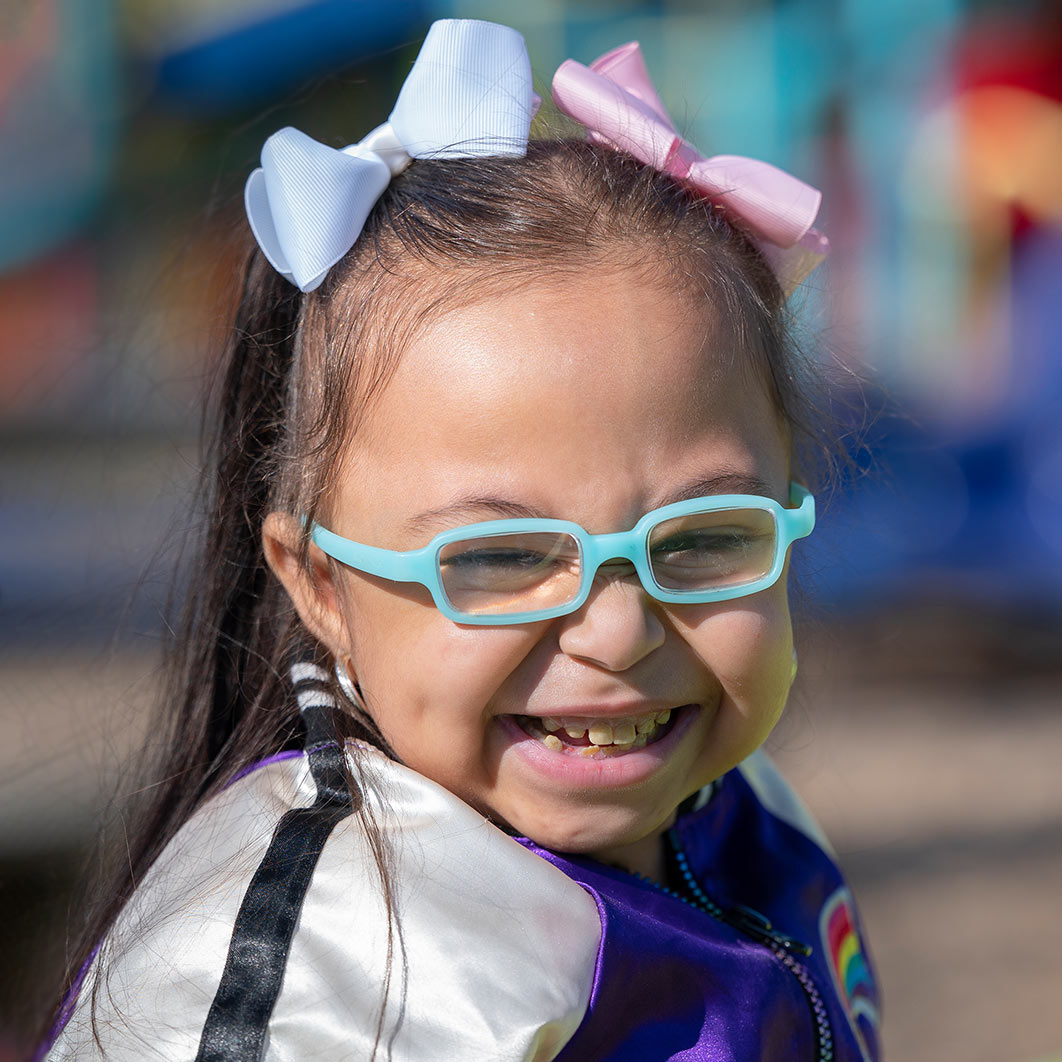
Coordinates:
<point>616,101</point>
<point>468,94</point>
<point>613,115</point>
<point>308,203</point>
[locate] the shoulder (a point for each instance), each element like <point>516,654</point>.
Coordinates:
<point>152,979</point>
<point>479,949</point>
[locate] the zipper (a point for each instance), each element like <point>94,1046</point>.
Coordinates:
<point>756,926</point>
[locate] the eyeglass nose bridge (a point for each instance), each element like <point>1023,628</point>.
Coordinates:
<point>617,545</point>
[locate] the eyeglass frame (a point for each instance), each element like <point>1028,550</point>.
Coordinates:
<point>422,565</point>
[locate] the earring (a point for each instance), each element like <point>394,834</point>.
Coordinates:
<point>349,688</point>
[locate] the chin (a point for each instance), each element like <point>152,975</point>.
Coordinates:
<point>586,832</point>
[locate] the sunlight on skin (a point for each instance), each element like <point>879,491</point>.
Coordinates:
<point>591,401</point>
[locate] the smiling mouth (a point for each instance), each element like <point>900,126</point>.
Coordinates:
<point>600,738</point>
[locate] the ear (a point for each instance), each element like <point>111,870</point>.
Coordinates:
<point>315,594</point>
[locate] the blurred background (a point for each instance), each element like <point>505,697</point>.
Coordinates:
<point>926,729</point>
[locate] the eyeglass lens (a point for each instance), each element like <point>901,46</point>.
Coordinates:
<point>713,550</point>
<point>535,571</point>
<point>501,574</point>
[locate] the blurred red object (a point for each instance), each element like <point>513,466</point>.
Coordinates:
<point>50,319</point>
<point>1008,82</point>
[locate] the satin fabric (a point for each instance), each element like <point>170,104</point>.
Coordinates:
<point>468,95</point>
<point>507,951</point>
<point>615,99</point>
<point>495,958</point>
<point>674,983</point>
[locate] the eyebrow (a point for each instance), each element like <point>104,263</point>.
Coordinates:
<point>503,508</point>
<point>719,483</point>
<point>506,509</point>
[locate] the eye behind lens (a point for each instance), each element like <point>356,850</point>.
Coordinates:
<point>510,573</point>
<point>714,549</point>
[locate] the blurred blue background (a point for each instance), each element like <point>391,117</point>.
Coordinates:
<point>933,128</point>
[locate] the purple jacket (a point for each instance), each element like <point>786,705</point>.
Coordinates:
<point>264,932</point>
<point>765,960</point>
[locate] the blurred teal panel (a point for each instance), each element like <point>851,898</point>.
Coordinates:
<point>714,68</point>
<point>808,70</point>
<point>727,59</point>
<point>58,119</point>
<point>897,54</point>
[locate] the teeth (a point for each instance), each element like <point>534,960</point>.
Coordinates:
<point>606,738</point>
<point>601,733</point>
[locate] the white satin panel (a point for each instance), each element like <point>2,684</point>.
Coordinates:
<point>163,961</point>
<point>495,957</point>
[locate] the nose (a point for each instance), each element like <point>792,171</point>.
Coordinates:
<point>618,624</point>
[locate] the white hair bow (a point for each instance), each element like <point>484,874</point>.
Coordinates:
<point>468,94</point>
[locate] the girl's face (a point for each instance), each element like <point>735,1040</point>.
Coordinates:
<point>593,400</point>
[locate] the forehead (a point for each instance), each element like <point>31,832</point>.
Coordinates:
<point>604,386</point>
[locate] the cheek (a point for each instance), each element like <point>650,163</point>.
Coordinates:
<point>759,651</point>
<point>417,668</point>
<point>748,646</point>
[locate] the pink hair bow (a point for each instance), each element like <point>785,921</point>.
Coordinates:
<point>615,99</point>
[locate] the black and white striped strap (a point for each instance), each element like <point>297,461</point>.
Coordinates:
<point>236,1025</point>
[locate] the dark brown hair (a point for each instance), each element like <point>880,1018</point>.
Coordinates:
<point>300,370</point>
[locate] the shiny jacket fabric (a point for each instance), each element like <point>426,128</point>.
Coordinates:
<point>263,932</point>
<point>779,970</point>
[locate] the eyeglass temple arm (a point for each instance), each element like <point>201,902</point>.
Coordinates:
<point>801,520</point>
<point>399,567</point>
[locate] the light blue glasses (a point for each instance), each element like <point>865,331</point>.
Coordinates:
<point>518,571</point>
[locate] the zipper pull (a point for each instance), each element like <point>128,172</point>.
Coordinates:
<point>751,921</point>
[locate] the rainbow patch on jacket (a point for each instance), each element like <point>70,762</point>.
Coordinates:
<point>848,962</point>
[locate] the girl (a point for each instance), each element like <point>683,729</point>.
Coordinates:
<point>492,619</point>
